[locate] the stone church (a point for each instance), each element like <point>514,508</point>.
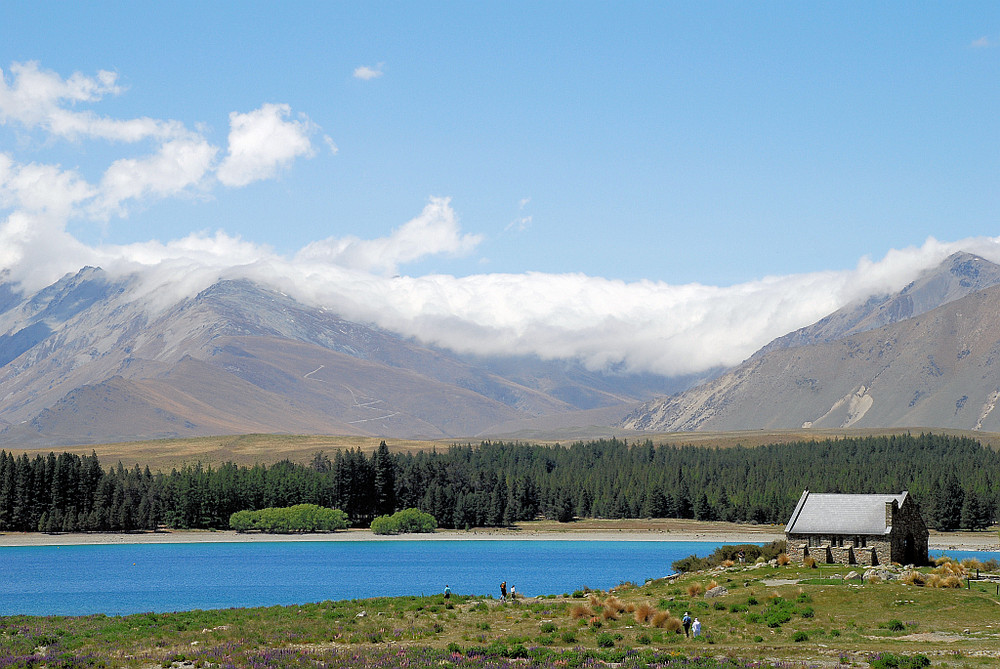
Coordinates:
<point>857,529</point>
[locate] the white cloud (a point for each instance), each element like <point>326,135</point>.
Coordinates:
<point>434,232</point>
<point>981,43</point>
<point>38,98</point>
<point>366,73</point>
<point>262,141</point>
<point>178,164</point>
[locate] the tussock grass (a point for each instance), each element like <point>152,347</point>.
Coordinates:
<point>644,612</point>
<point>660,618</point>
<point>579,611</point>
<point>695,590</point>
<point>612,603</point>
<point>783,559</point>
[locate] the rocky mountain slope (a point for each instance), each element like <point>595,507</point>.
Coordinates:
<point>928,356</point>
<point>86,361</point>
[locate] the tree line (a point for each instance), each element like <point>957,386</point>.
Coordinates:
<point>954,479</point>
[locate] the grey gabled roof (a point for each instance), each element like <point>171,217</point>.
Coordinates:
<point>828,513</point>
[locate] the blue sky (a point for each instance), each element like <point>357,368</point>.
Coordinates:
<point>663,154</point>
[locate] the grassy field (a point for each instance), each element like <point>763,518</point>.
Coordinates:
<point>791,614</point>
<point>249,449</point>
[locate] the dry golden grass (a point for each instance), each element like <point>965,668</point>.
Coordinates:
<point>783,559</point>
<point>810,562</point>
<point>914,578</point>
<point>579,611</point>
<point>695,590</point>
<point>610,614</point>
<point>712,584</point>
<point>673,625</point>
<point>614,604</point>
<point>644,612</point>
<point>660,618</point>
<point>950,568</point>
<point>595,603</point>
<point>950,582</point>
<point>728,563</point>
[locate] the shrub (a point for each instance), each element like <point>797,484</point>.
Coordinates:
<point>643,639</point>
<point>690,563</point>
<point>895,625</point>
<point>285,520</point>
<point>778,618</point>
<point>568,637</point>
<point>403,522</point>
<point>548,628</point>
<point>890,661</point>
<point>752,601</point>
<point>783,559</point>
<point>807,612</point>
<point>605,640</point>
<point>800,636</point>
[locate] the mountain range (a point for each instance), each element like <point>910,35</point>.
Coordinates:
<point>86,360</point>
<point>927,356</point>
<point>89,360</point>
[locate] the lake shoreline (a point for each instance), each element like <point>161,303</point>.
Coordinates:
<point>962,541</point>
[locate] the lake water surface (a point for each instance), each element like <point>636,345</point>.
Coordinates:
<point>134,578</point>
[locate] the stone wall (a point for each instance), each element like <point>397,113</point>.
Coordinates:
<point>878,550</point>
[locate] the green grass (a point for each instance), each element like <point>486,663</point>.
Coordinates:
<point>810,619</point>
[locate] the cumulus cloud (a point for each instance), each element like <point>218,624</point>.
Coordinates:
<point>37,98</point>
<point>177,165</point>
<point>434,232</point>
<point>366,73</point>
<point>262,141</point>
<point>981,43</point>
<point>37,201</point>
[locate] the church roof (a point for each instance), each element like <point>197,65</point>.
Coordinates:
<point>828,513</point>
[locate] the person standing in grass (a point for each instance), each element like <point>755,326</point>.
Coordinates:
<point>447,591</point>
<point>687,623</point>
<point>696,628</point>
<point>503,591</point>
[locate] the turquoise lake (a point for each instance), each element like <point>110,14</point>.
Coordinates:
<point>123,579</point>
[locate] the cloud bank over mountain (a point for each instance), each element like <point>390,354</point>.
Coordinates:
<point>638,326</point>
